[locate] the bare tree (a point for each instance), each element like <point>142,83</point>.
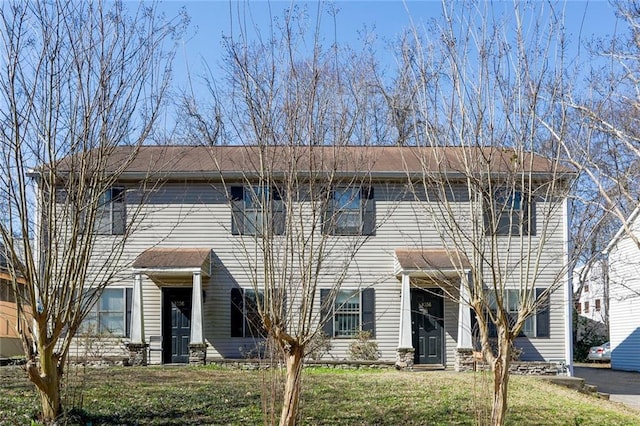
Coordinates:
<point>78,80</point>
<point>487,85</point>
<point>606,149</point>
<point>294,106</point>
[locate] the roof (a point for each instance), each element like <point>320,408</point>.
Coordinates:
<point>431,259</point>
<point>206,161</point>
<point>173,258</point>
<point>623,230</point>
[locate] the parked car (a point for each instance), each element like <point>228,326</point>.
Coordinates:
<point>600,353</point>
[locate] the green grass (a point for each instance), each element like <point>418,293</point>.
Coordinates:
<point>207,395</point>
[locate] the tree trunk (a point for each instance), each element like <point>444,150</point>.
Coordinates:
<point>294,357</point>
<point>46,375</point>
<point>500,383</point>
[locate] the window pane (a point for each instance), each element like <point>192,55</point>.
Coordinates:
<point>347,313</point>
<point>112,299</point>
<point>513,300</point>
<point>529,327</point>
<point>348,198</point>
<point>112,323</point>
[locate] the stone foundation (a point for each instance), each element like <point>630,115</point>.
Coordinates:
<point>197,354</point>
<point>137,354</point>
<point>465,360</point>
<point>404,358</point>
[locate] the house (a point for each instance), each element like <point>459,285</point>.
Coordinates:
<point>10,342</point>
<point>591,281</point>
<point>185,294</point>
<point>624,295</point>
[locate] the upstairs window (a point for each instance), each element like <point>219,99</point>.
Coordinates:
<point>111,315</point>
<point>537,325</point>
<point>111,212</point>
<point>598,305</point>
<point>351,211</point>
<point>256,210</point>
<point>245,316</point>
<point>352,311</point>
<point>510,212</point>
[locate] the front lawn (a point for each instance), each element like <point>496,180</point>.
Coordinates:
<point>208,395</point>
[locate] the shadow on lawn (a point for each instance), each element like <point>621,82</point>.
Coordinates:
<point>169,417</point>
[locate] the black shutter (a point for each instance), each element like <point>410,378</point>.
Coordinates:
<point>326,311</point>
<point>236,195</point>
<point>237,315</point>
<point>278,211</point>
<point>127,323</point>
<point>530,217</point>
<point>542,315</point>
<point>368,211</point>
<point>328,222</point>
<point>118,211</point>
<point>369,311</point>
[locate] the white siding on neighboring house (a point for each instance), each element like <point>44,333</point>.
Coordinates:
<point>624,303</point>
<point>593,300</point>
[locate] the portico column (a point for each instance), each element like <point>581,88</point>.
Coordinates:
<point>197,346</point>
<point>464,359</point>
<point>464,318</point>
<point>137,318</point>
<point>137,346</point>
<point>405,345</point>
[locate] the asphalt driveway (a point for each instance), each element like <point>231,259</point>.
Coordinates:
<point>622,386</point>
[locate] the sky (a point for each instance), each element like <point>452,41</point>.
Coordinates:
<point>201,48</point>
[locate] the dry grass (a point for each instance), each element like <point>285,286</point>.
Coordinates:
<point>206,395</point>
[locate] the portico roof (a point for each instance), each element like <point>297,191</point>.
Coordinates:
<point>173,260</point>
<point>430,260</point>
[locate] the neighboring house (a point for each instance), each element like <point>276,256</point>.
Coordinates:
<point>592,283</point>
<point>186,293</point>
<point>10,342</point>
<point>623,258</point>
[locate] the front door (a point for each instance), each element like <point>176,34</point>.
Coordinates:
<point>427,319</point>
<point>176,325</point>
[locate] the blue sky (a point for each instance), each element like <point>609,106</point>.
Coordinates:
<point>211,20</point>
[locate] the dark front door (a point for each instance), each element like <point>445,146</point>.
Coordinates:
<point>427,319</point>
<point>176,325</point>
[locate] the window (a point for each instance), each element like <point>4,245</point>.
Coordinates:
<point>578,307</point>
<point>111,314</point>
<point>245,317</point>
<point>111,212</point>
<point>586,288</point>
<point>249,215</point>
<point>347,312</point>
<point>6,292</point>
<point>586,307</point>
<point>598,305</point>
<point>351,211</point>
<point>537,325</point>
<point>513,213</point>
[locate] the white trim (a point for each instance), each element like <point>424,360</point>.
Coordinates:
<point>568,290</point>
<point>168,271</point>
<point>622,230</point>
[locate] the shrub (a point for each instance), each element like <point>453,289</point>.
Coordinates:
<point>364,349</point>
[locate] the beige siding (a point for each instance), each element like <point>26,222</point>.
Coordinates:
<point>196,215</point>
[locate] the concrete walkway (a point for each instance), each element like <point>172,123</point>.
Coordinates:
<point>622,386</point>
